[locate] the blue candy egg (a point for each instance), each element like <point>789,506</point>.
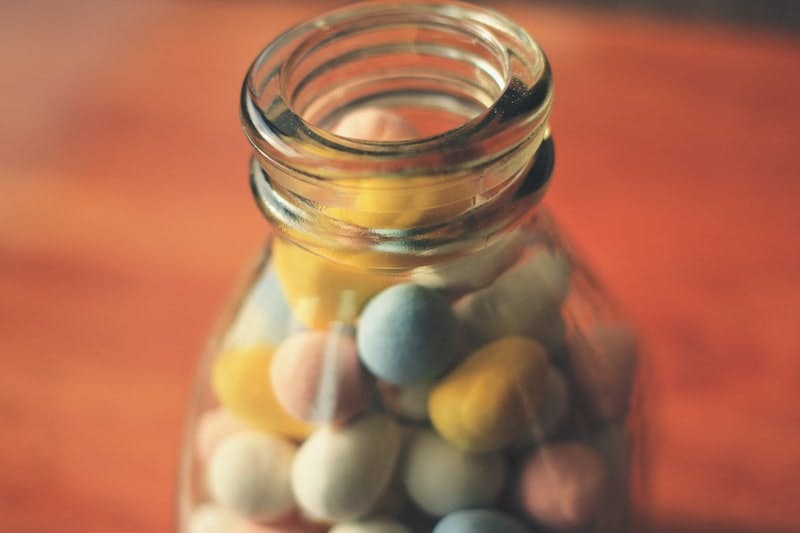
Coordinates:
<point>408,334</point>
<point>479,521</point>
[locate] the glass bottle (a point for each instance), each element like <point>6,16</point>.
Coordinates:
<point>418,348</point>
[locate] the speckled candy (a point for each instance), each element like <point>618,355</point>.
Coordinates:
<point>339,474</point>
<point>492,398</point>
<point>407,334</point>
<point>317,376</point>
<point>241,381</point>
<point>563,486</point>
<point>441,478</point>
<point>249,474</point>
<point>371,526</point>
<point>479,521</point>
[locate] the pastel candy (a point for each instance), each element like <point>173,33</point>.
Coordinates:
<point>441,478</point>
<point>317,376</point>
<point>603,360</point>
<point>339,474</point>
<point>563,486</point>
<point>479,521</point>
<point>212,428</point>
<point>249,474</point>
<point>321,291</point>
<point>211,518</point>
<point>407,334</point>
<point>264,316</point>
<point>373,124</point>
<point>241,382</point>
<point>407,402</point>
<point>523,301</point>
<point>492,397</point>
<point>370,526</point>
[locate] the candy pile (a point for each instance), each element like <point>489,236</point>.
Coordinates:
<point>445,399</point>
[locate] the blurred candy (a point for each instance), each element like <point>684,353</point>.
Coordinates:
<point>407,334</point>
<point>264,316</point>
<point>479,521</point>
<point>474,271</point>
<point>317,376</point>
<point>491,398</point>
<point>441,478</point>
<point>339,474</point>
<point>554,405</point>
<point>321,291</point>
<point>407,402</point>
<point>249,474</point>
<point>523,301</point>
<point>563,486</point>
<point>374,124</point>
<point>212,428</point>
<point>210,518</point>
<point>371,526</point>
<point>604,362</point>
<point>241,382</point>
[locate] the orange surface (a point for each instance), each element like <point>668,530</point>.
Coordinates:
<point>125,218</point>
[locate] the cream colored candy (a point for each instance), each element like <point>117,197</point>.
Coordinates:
<point>317,376</point>
<point>210,518</point>
<point>441,478</point>
<point>241,381</point>
<point>371,526</point>
<point>523,301</point>
<point>373,124</point>
<point>249,474</point>
<point>409,402</point>
<point>339,474</point>
<point>212,428</point>
<point>491,399</point>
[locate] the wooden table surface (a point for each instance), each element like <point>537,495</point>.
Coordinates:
<point>125,220</point>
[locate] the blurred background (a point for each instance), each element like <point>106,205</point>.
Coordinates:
<point>126,220</point>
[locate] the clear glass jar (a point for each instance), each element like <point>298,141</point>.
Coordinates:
<point>418,348</point>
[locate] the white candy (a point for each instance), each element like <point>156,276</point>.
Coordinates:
<point>523,301</point>
<point>409,402</point>
<point>370,526</point>
<point>474,271</point>
<point>249,474</point>
<point>209,518</point>
<point>339,474</point>
<point>372,124</point>
<point>441,478</point>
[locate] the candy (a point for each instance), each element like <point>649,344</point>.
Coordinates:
<point>523,301</point>
<point>339,474</point>
<point>492,397</point>
<point>553,407</point>
<point>241,381</point>
<point>212,428</point>
<point>210,518</point>
<point>371,526</point>
<point>407,334</point>
<point>249,474</point>
<point>604,362</point>
<point>264,316</point>
<point>441,478</point>
<point>321,291</point>
<point>563,486</point>
<point>373,124</point>
<point>407,402</point>
<point>479,521</point>
<point>317,376</point>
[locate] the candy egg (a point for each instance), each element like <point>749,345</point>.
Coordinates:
<point>210,518</point>
<point>441,478</point>
<point>407,334</point>
<point>212,428</point>
<point>321,291</point>
<point>407,402</point>
<point>371,526</point>
<point>492,397</point>
<point>317,376</point>
<point>249,474</point>
<point>339,474</point>
<point>374,124</point>
<point>563,486</point>
<point>241,381</point>
<point>523,301</point>
<point>479,521</point>
<point>603,359</point>
<point>264,316</point>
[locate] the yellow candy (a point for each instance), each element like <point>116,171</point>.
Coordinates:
<point>319,290</point>
<point>491,398</point>
<point>241,381</point>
